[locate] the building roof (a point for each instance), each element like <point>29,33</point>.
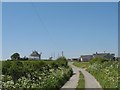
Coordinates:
<point>104,55</point>
<point>101,53</point>
<point>86,55</point>
<point>34,53</point>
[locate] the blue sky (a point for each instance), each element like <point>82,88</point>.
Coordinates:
<point>75,28</point>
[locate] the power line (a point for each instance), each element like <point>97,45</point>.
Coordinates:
<point>44,26</point>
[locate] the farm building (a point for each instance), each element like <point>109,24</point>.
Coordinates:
<point>85,58</point>
<point>104,55</point>
<point>35,55</point>
<point>69,59</point>
<point>75,59</point>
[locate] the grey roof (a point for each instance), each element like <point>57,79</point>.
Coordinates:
<point>104,55</point>
<point>101,54</point>
<point>86,55</point>
<point>34,53</point>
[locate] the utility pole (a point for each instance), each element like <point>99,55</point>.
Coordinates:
<point>58,55</point>
<point>104,51</point>
<point>62,54</point>
<point>54,55</point>
<point>51,55</point>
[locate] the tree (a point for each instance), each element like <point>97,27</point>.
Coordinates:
<point>24,58</point>
<point>15,56</point>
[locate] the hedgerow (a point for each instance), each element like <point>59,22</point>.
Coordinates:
<point>35,74</point>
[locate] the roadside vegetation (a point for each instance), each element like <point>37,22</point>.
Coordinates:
<point>105,71</point>
<point>81,64</point>
<point>81,82</point>
<point>35,74</point>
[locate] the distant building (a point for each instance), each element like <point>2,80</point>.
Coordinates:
<point>35,56</point>
<point>75,59</point>
<point>104,55</point>
<point>118,59</point>
<point>69,59</point>
<point>85,58</point>
<point>50,58</point>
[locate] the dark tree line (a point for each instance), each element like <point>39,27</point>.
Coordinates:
<point>16,56</point>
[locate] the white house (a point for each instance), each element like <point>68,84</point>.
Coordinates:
<point>35,56</point>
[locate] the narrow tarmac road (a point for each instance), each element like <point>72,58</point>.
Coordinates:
<point>90,81</point>
<point>73,81</point>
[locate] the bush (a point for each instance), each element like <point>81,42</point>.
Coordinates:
<point>17,70</point>
<point>5,67</point>
<point>98,60</point>
<point>62,61</point>
<point>36,74</point>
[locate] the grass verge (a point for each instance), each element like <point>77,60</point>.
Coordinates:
<point>81,64</point>
<point>81,82</point>
<point>106,72</point>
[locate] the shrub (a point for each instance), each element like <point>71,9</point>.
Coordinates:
<point>17,70</point>
<point>98,60</point>
<point>62,61</point>
<point>5,67</point>
<point>36,74</point>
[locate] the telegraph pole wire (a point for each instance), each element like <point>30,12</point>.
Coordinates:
<point>44,26</point>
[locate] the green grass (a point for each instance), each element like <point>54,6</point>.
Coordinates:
<point>106,72</point>
<point>81,64</point>
<point>81,82</point>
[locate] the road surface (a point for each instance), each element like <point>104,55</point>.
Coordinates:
<point>73,81</point>
<point>90,81</point>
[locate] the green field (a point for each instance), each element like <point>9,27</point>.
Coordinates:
<point>81,64</point>
<point>35,74</point>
